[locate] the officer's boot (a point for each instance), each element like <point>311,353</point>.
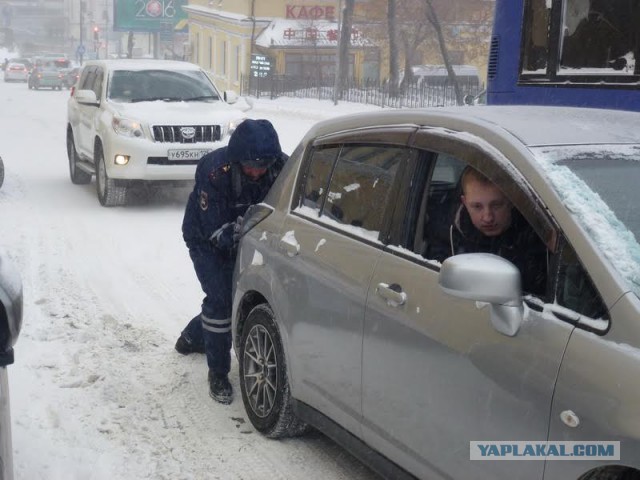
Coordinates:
<point>220,388</point>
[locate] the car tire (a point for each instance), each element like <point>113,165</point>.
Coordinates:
<point>263,377</point>
<point>614,472</point>
<point>78,177</point>
<point>109,194</point>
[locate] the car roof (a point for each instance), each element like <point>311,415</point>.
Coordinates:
<point>138,64</point>
<point>531,125</point>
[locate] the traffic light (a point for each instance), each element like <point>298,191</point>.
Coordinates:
<point>96,33</point>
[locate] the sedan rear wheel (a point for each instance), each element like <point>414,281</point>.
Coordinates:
<point>263,377</point>
<point>78,177</point>
<point>109,194</point>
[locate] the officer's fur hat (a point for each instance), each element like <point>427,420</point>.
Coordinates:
<point>254,143</point>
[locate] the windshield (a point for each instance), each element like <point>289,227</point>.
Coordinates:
<point>599,185</point>
<point>166,85</point>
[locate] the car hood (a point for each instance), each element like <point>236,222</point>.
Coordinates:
<point>177,113</point>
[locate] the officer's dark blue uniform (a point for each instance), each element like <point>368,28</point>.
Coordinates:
<point>221,194</point>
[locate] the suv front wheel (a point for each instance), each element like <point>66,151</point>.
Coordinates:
<point>78,177</point>
<point>109,194</point>
<point>263,377</point>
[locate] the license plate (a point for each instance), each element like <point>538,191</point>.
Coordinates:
<point>187,154</point>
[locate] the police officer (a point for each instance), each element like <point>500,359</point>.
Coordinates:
<point>228,180</point>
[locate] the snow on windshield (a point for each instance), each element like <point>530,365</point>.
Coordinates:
<point>617,243</point>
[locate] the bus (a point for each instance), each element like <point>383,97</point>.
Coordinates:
<point>565,52</point>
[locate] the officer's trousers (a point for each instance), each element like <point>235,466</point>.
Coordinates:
<point>212,327</point>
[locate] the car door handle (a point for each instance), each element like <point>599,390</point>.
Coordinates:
<point>393,294</point>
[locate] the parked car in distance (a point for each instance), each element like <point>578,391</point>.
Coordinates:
<point>46,75</point>
<point>138,122</point>
<point>25,61</point>
<point>346,318</point>
<point>10,325</point>
<point>16,72</point>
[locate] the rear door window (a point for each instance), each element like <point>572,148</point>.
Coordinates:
<point>351,186</point>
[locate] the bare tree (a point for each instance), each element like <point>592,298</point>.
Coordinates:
<point>432,17</point>
<point>344,42</point>
<point>253,29</point>
<point>392,23</point>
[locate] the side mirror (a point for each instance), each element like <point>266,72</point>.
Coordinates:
<point>86,97</point>
<point>230,96</point>
<point>484,277</point>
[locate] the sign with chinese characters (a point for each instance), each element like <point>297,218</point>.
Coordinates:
<point>147,15</point>
<point>311,12</point>
<point>315,34</point>
<point>260,65</point>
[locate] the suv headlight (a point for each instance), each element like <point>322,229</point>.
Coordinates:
<point>233,124</point>
<point>126,127</point>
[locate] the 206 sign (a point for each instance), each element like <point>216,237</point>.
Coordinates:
<point>155,9</point>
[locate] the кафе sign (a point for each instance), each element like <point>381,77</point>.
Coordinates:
<point>311,12</point>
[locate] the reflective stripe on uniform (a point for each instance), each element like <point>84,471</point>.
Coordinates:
<point>215,325</point>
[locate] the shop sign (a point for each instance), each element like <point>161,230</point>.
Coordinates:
<point>309,12</point>
<point>260,65</point>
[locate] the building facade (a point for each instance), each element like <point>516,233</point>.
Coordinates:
<point>233,39</point>
<point>293,37</point>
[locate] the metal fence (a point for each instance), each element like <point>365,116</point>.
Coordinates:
<point>422,93</point>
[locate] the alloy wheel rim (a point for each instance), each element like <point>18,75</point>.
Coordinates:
<point>260,371</point>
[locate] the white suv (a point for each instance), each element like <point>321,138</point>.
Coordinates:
<point>134,121</point>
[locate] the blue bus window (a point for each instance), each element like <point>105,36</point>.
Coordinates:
<point>566,52</point>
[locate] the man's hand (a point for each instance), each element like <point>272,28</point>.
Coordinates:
<point>222,238</point>
<point>227,236</point>
<point>237,228</point>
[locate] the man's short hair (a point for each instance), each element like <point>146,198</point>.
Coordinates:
<point>470,173</point>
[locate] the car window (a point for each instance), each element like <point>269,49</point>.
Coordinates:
<point>574,289</point>
<point>151,85</point>
<point>361,183</point>
<point>351,185</point>
<point>443,227</point>
<point>87,79</point>
<point>97,83</point>
<point>317,179</point>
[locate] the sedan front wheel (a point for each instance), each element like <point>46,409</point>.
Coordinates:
<point>263,377</point>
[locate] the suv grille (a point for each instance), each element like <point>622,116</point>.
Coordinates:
<point>173,134</point>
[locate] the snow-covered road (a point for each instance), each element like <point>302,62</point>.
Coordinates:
<point>97,390</point>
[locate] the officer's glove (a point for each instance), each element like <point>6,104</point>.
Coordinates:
<point>237,228</point>
<point>222,238</point>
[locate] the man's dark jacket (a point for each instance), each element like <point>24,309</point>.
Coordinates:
<point>519,244</point>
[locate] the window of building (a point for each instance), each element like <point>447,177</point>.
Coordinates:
<point>210,53</point>
<point>309,65</point>
<point>223,59</point>
<point>237,61</point>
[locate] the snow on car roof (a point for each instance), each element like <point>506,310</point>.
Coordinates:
<point>144,64</point>
<point>531,125</point>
